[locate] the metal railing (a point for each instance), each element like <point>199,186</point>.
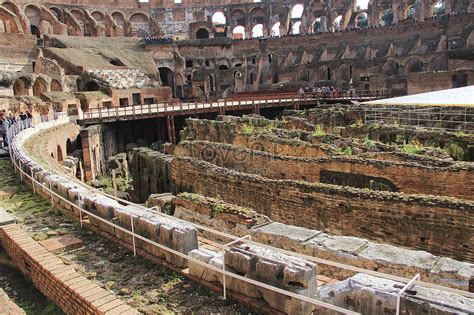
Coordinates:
<point>19,159</point>
<point>435,117</point>
<point>176,107</point>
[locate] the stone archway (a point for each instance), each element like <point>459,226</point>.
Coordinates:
<point>238,32</point>
<point>257,31</point>
<point>33,14</point>
<point>218,18</point>
<point>202,33</point>
<point>238,18</point>
<point>167,77</point>
<point>21,86</point>
<point>56,86</point>
<point>413,66</point>
<point>39,87</point>
<point>69,146</point>
<point>140,26</point>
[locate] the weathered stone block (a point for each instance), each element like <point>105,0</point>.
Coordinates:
<point>379,296</point>
<point>240,261</point>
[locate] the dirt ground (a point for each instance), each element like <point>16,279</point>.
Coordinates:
<point>146,286</point>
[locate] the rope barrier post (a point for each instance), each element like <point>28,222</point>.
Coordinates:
<point>51,190</point>
<point>133,236</point>
<point>80,216</point>
<point>224,287</point>
<point>224,247</point>
<point>33,181</point>
<point>406,287</point>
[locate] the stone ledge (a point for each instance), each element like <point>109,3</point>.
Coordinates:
<point>5,218</point>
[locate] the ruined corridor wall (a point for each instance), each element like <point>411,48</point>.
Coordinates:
<point>413,178</point>
<point>438,225</point>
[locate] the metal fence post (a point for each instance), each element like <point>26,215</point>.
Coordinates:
<point>224,289</point>
<point>33,181</point>
<point>80,215</point>
<point>51,190</point>
<point>133,236</point>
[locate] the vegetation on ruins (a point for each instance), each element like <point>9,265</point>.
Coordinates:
<point>412,148</point>
<point>247,129</point>
<point>217,206</point>
<point>319,132</point>
<point>456,151</point>
<point>348,151</point>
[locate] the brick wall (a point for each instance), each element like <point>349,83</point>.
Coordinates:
<point>413,178</point>
<point>438,225</point>
<point>60,283</point>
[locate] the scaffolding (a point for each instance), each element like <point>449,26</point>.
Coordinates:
<point>450,118</point>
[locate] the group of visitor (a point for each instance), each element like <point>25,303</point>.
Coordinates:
<point>153,40</point>
<point>7,121</point>
<point>319,92</point>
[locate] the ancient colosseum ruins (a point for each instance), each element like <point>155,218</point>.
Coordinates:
<point>237,157</point>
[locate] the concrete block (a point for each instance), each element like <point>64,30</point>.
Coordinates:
<point>211,275</point>
<point>203,255</point>
<point>240,261</point>
<point>397,255</point>
<point>379,296</point>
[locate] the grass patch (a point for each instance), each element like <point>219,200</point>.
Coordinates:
<point>412,148</point>
<point>319,132</point>
<point>347,151</point>
<point>247,129</point>
<point>217,209</point>
<point>51,309</point>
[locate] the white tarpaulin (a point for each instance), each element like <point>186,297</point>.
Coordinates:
<point>463,96</point>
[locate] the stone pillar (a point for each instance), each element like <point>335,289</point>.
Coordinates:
<point>397,12</point>
<point>171,129</point>
<point>248,31</point>
<point>325,26</point>
<point>93,152</point>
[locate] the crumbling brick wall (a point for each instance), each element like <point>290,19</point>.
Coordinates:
<point>436,224</point>
<point>456,180</point>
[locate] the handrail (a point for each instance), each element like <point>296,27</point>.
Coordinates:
<point>176,106</point>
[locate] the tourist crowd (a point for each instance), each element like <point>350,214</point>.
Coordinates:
<point>7,121</point>
<point>319,92</point>
<point>153,40</point>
